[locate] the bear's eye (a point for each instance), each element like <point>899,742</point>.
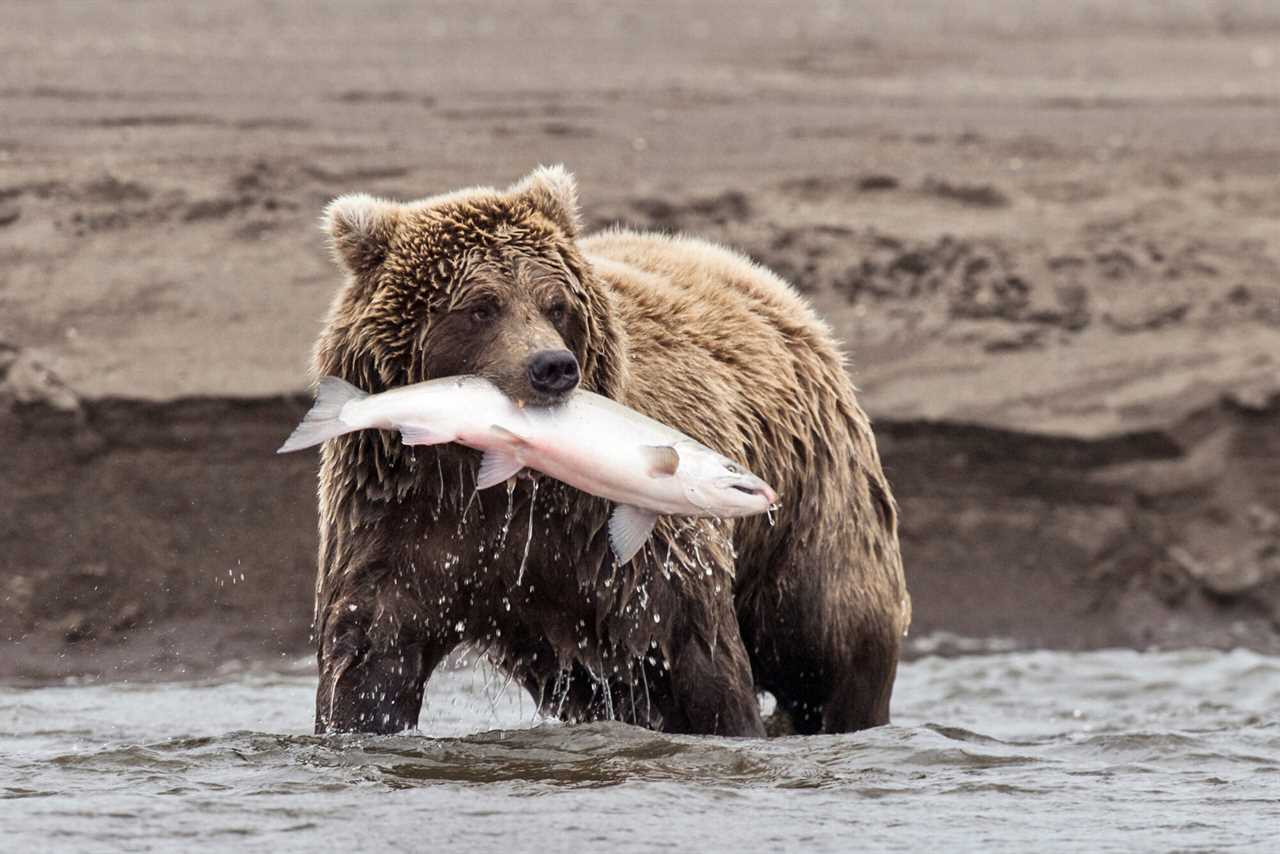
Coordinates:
<point>557,311</point>
<point>483,312</point>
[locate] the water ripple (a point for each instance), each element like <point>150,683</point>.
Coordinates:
<point>1111,750</point>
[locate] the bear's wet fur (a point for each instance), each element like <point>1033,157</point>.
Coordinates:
<point>414,562</point>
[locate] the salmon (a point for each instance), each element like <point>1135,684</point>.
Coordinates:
<point>589,442</point>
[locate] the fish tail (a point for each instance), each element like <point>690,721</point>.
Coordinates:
<point>324,420</point>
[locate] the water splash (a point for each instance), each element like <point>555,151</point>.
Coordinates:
<point>511,509</point>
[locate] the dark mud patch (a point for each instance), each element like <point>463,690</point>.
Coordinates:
<point>74,95</point>
<point>565,129</point>
<point>273,123</point>
<point>354,175</point>
<point>56,93</point>
<point>113,203</point>
<point>37,190</point>
<point>112,190</point>
<point>154,120</point>
<point>1148,318</point>
<point>390,96</point>
<point>812,188</point>
<point>215,208</point>
<point>257,229</point>
<point>971,195</point>
<point>661,214</point>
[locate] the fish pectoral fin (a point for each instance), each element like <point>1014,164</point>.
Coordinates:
<point>505,435</point>
<point>495,467</point>
<point>416,434</point>
<point>662,460</point>
<point>629,529</point>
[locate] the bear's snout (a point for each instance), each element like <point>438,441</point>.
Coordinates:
<point>553,371</point>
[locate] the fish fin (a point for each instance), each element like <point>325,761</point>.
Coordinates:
<point>629,529</point>
<point>511,439</point>
<point>495,467</point>
<point>324,420</point>
<point>662,460</point>
<point>416,434</point>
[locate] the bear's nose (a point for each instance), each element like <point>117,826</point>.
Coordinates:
<point>553,371</point>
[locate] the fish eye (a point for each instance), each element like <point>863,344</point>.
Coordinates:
<point>732,469</point>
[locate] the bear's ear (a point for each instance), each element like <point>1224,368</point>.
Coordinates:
<point>554,193</point>
<point>360,228</point>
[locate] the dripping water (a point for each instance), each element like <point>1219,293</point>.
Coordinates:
<point>533,500</point>
<point>506,522</point>
<point>440,494</point>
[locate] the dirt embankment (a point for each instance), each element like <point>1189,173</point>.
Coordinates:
<point>154,540</point>
<point>1083,429</point>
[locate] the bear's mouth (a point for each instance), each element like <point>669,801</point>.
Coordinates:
<point>542,401</point>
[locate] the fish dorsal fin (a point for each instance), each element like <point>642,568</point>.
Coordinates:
<point>662,460</point>
<point>495,467</point>
<point>629,529</point>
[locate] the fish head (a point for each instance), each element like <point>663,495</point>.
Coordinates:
<point>719,486</point>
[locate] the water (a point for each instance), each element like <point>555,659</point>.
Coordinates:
<point>1041,751</point>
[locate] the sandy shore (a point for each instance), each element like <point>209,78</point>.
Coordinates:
<point>1049,239</point>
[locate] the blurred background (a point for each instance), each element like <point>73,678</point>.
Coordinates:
<point>1048,234</point>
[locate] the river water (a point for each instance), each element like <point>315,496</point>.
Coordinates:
<point>1038,751</point>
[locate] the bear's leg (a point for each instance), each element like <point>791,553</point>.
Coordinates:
<point>860,696</point>
<point>372,672</point>
<point>785,661</point>
<point>826,657</point>
<point>712,691</point>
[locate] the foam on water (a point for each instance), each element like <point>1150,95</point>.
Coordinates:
<point>1113,750</point>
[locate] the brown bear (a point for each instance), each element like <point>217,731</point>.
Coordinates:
<point>414,561</point>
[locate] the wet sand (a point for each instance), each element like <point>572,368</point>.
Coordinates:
<point>1049,239</point>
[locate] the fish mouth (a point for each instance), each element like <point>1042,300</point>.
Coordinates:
<point>762,490</point>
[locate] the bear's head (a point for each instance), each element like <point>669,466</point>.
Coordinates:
<point>479,281</point>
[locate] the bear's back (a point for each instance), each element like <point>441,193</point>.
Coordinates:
<point>686,268</point>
